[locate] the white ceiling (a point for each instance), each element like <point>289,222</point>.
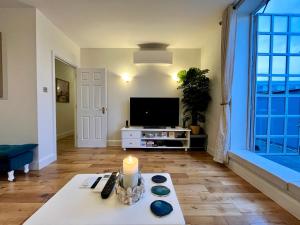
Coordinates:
<point>126,23</point>
<point>12,4</point>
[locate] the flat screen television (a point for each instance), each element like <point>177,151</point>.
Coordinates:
<point>154,112</point>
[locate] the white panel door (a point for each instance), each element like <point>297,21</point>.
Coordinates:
<point>91,108</point>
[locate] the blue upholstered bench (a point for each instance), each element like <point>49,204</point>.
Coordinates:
<point>13,157</point>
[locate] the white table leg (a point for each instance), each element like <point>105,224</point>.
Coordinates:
<point>26,168</point>
<point>11,176</point>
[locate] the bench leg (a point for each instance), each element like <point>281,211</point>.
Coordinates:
<point>11,176</point>
<point>26,168</point>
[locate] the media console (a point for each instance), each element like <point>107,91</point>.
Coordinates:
<point>168,138</point>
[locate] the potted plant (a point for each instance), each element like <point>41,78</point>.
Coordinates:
<point>195,87</point>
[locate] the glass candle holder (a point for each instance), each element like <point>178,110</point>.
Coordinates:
<point>129,195</point>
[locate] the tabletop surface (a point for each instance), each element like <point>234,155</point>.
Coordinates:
<point>73,205</point>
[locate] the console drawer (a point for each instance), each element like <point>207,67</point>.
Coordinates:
<point>131,143</point>
<point>131,134</point>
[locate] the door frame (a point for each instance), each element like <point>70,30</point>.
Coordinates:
<point>54,56</point>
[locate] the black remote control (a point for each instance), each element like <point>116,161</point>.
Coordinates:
<point>95,183</point>
<point>109,186</point>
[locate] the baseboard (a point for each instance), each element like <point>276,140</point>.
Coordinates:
<point>47,160</point>
<point>38,165</point>
<point>114,143</point>
<point>65,134</point>
<point>210,150</point>
<point>281,198</point>
<point>34,165</point>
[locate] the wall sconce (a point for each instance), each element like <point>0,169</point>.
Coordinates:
<point>175,77</point>
<point>126,77</point>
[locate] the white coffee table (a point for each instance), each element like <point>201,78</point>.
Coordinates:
<point>76,206</point>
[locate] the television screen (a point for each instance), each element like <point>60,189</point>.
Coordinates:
<point>154,112</point>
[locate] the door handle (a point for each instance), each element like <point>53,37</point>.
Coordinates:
<point>103,110</point>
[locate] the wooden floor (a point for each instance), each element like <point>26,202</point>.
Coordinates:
<point>209,193</point>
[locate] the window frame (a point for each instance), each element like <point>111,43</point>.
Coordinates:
<point>270,95</point>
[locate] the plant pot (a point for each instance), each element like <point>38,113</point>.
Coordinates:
<point>195,129</point>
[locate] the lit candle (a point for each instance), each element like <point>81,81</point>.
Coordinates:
<point>130,171</point>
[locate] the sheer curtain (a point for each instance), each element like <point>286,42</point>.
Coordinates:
<point>229,25</point>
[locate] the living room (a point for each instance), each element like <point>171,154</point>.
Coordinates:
<point>127,55</point>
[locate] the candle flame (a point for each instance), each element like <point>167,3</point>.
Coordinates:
<point>130,159</point>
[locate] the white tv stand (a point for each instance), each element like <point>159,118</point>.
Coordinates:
<point>168,138</point>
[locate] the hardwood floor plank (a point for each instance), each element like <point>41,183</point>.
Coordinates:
<point>16,213</point>
<point>209,193</point>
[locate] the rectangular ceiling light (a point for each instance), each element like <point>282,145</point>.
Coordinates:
<point>152,57</point>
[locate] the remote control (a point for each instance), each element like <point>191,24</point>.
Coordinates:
<point>88,182</point>
<point>96,182</point>
<point>109,186</point>
<point>101,183</point>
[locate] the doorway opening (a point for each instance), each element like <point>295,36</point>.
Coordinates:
<point>65,95</point>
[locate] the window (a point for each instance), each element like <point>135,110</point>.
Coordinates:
<point>277,114</point>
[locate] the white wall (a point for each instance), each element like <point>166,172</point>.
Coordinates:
<point>49,39</point>
<point>211,59</point>
<point>18,123</point>
<point>148,81</point>
<point>65,111</point>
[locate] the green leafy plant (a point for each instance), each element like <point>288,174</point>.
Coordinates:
<point>195,87</point>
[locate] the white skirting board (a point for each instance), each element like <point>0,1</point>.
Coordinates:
<point>284,200</point>
<point>210,150</point>
<point>38,165</point>
<point>34,165</point>
<point>65,134</point>
<point>114,143</point>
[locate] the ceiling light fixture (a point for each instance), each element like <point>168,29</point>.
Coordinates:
<point>153,53</point>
